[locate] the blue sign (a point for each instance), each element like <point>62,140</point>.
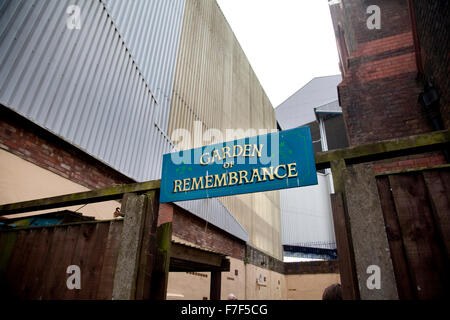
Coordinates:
<point>272,161</point>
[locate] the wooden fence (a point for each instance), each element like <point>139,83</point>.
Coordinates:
<point>416,213</point>
<point>34,261</point>
<point>397,222</point>
<point>120,259</point>
<point>117,260</point>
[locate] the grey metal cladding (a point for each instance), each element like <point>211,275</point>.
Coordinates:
<point>298,109</point>
<point>151,30</point>
<point>96,87</point>
<point>86,85</point>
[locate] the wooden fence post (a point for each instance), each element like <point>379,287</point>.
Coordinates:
<point>147,255</point>
<point>368,232</point>
<point>127,261</point>
<point>137,249</point>
<point>347,268</point>
<point>215,286</point>
<point>348,281</point>
<point>160,275</point>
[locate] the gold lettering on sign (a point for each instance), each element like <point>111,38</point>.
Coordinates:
<point>291,170</point>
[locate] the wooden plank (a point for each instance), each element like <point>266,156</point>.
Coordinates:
<point>85,243</point>
<point>58,285</point>
<point>32,259</point>
<point>147,253</point>
<point>16,262</point>
<point>95,262</point>
<point>160,275</point>
<point>438,187</point>
<point>215,285</point>
<point>37,262</point>
<point>402,276</point>
<point>109,263</point>
<point>425,258</point>
<point>110,193</point>
<point>385,149</point>
<point>25,263</point>
<point>337,169</point>
<point>8,240</point>
<point>177,265</point>
<point>368,233</point>
<point>186,253</point>
<point>55,253</point>
<point>346,267</point>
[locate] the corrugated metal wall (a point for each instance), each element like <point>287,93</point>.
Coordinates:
<point>151,30</point>
<point>86,85</point>
<point>106,87</point>
<point>306,218</point>
<point>215,84</point>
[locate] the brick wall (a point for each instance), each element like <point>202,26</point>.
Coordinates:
<point>34,144</point>
<point>433,30</point>
<point>263,260</point>
<point>312,267</point>
<point>415,161</point>
<point>379,92</point>
<point>382,108</point>
<point>381,84</point>
<point>352,16</point>
<point>195,230</point>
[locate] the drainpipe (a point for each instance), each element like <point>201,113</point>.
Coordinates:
<point>323,142</point>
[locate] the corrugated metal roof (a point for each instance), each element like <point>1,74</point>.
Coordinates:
<point>298,109</point>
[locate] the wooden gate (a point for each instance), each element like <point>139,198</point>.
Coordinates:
<point>416,212</point>
<point>397,222</point>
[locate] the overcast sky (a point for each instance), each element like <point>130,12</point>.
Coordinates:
<point>288,42</point>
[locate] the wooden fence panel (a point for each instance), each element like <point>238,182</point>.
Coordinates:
<point>346,268</point>
<point>56,250</point>
<point>36,265</point>
<point>96,259</point>
<point>105,287</point>
<point>427,261</point>
<point>394,235</point>
<point>438,186</point>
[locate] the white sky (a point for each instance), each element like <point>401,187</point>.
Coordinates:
<point>288,42</point>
